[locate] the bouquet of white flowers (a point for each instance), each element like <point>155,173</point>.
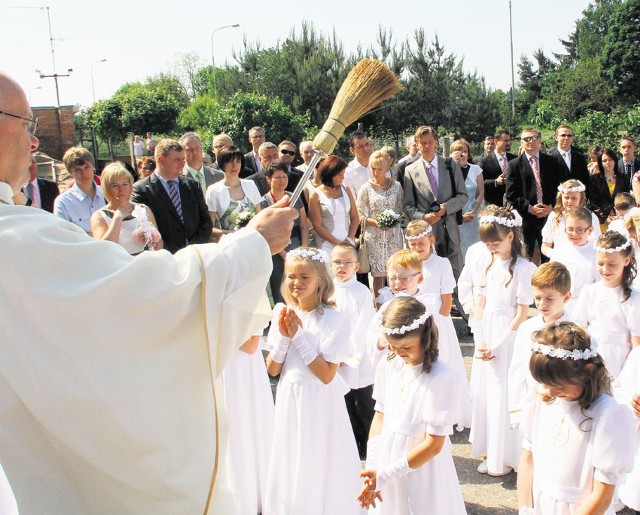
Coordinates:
<point>243,218</point>
<point>388,218</point>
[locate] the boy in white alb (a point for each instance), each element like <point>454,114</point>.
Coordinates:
<point>354,298</point>
<point>578,255</point>
<point>551,284</point>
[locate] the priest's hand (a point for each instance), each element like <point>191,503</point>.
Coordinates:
<point>275,223</point>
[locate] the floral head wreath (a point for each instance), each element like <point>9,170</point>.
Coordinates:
<point>424,233</point>
<point>315,255</point>
<point>554,352</point>
<point>503,220</point>
<point>626,243</point>
<point>579,188</point>
<point>408,328</point>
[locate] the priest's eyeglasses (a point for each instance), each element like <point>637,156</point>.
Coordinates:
<point>33,122</point>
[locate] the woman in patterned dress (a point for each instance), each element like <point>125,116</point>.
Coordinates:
<point>380,193</point>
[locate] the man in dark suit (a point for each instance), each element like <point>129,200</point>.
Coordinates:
<point>194,166</point>
<point>495,166</point>
<point>572,162</point>
<point>629,164</point>
<point>287,152</point>
<point>532,186</point>
<point>268,153</point>
<point>176,201</point>
<point>252,159</point>
<point>40,192</point>
<point>430,195</point>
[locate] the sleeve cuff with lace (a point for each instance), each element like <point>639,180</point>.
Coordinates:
<point>306,351</point>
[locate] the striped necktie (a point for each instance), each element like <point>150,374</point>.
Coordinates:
<point>504,166</point>
<point>536,174</point>
<point>174,195</point>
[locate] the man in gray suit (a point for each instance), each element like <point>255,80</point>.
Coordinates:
<point>194,166</point>
<point>434,191</point>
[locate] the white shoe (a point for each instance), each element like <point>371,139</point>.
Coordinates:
<point>505,471</point>
<point>482,468</point>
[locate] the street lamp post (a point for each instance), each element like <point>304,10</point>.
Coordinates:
<point>94,141</point>
<point>93,84</point>
<point>213,63</point>
<point>513,75</point>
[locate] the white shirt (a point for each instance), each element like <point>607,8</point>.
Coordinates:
<point>355,176</point>
<point>566,155</point>
<point>501,158</point>
<point>138,148</point>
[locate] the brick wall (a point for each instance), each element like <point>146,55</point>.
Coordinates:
<point>55,136</point>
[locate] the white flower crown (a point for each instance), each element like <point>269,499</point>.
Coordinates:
<point>615,249</point>
<point>316,255</point>
<point>573,189</point>
<point>554,352</point>
<point>424,233</point>
<point>408,328</point>
<point>503,220</point>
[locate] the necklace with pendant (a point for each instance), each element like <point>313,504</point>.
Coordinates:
<point>407,376</point>
<point>560,430</point>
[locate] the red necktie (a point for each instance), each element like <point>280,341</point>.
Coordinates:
<point>536,174</point>
<point>503,165</point>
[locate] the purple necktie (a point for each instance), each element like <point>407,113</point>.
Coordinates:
<point>432,180</point>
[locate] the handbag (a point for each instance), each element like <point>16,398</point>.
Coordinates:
<point>361,244</point>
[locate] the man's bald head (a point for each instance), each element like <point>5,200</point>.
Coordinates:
<point>16,143</point>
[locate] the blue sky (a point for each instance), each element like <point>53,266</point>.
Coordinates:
<point>141,38</point>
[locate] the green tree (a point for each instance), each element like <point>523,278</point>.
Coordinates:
<point>432,79</point>
<point>532,76</point>
<point>148,109</point>
<point>245,110</point>
<point>572,92</point>
<point>621,53</point>
<point>597,128</point>
<point>199,115</point>
<point>105,116</point>
<point>588,39</point>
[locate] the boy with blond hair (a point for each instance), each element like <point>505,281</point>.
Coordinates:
<point>79,202</point>
<point>551,283</point>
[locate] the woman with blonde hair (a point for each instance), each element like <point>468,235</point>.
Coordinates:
<point>377,200</point>
<point>131,225</point>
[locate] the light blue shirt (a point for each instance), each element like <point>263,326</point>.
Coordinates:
<point>77,207</point>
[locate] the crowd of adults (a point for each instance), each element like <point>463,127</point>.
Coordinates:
<point>192,202</point>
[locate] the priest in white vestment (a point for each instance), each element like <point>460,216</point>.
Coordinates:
<point>109,363</point>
